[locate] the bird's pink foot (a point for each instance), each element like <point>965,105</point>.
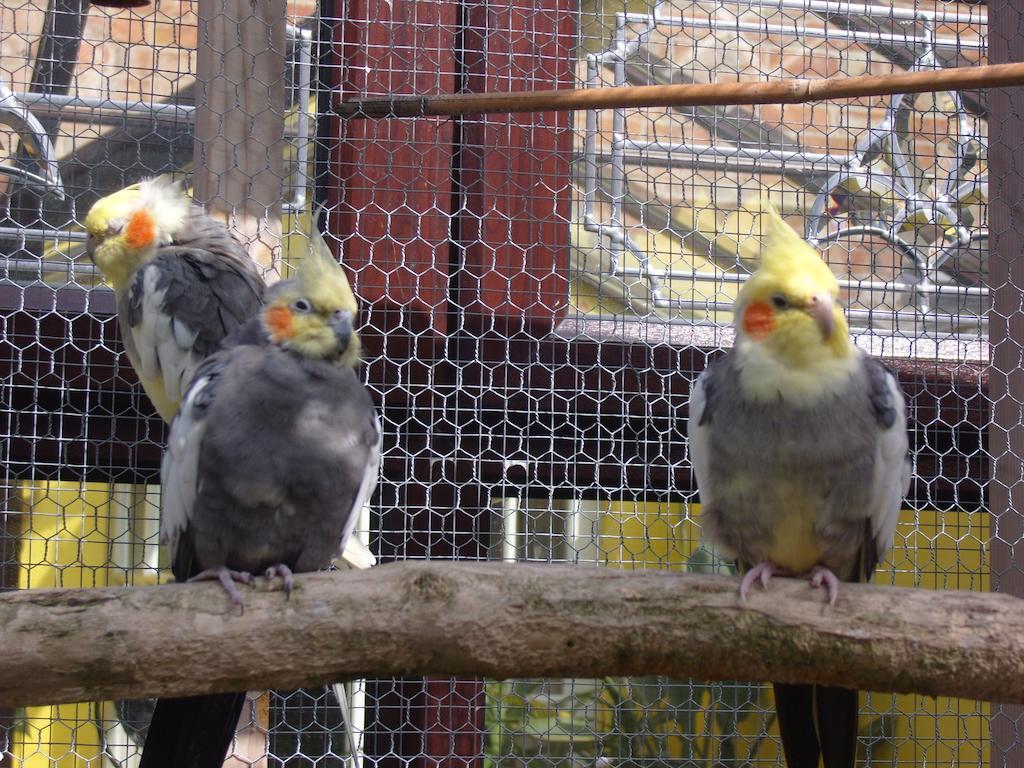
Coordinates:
<point>227,579</point>
<point>286,575</point>
<point>762,572</point>
<point>820,575</point>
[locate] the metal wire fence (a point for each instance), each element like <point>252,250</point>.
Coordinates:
<point>538,291</point>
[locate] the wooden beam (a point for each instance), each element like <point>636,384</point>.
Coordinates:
<point>389,188</point>
<point>240,116</point>
<point>1006,340</point>
<point>513,172</point>
<point>239,173</point>
<point>500,621</point>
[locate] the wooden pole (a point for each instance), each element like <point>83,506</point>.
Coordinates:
<point>793,91</point>
<point>239,173</point>
<point>239,167</point>
<point>502,620</point>
<point>1006,339</point>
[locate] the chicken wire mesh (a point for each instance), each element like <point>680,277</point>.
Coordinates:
<point>538,293</point>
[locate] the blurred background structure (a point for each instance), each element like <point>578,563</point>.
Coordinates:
<point>538,293</point>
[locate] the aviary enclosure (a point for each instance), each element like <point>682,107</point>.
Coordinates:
<point>539,290</point>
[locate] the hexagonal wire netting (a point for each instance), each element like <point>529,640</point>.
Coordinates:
<point>539,291</point>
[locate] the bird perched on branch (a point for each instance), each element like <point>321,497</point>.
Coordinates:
<point>183,283</point>
<point>274,452</point>
<point>799,446</point>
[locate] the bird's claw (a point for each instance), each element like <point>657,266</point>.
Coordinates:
<point>286,575</point>
<point>820,575</point>
<point>762,572</point>
<point>227,579</point>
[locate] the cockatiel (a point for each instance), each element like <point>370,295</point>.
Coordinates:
<point>183,283</point>
<point>274,452</point>
<point>799,447</point>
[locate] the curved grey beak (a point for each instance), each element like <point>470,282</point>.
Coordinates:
<point>90,247</point>
<point>341,324</point>
<point>822,308</point>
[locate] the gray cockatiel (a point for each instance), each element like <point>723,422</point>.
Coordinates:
<point>274,452</point>
<point>799,446</point>
<point>183,283</point>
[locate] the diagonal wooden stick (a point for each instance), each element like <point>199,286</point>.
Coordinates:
<point>795,91</point>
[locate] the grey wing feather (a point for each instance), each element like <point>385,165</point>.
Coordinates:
<point>892,465</point>
<point>180,306</point>
<point>210,292</point>
<point>159,345</point>
<point>698,432</point>
<point>179,470</point>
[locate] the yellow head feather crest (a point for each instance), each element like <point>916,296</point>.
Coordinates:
<point>307,311</point>
<point>783,252</point>
<point>162,196</point>
<point>793,342</point>
<point>322,279</point>
<point>787,261</point>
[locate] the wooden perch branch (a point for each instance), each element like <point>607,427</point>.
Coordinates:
<point>792,91</point>
<point>503,621</point>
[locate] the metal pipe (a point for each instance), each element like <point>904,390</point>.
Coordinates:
<point>660,160</point>
<point>825,33</point>
<point>304,44</point>
<point>882,11</point>
<point>786,159</point>
<point>590,154</point>
<point>848,283</point>
<point>858,315</point>
<point>41,234</point>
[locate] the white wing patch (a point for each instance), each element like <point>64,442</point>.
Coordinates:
<point>162,343</point>
<point>357,556</point>
<point>699,436</point>
<point>179,470</point>
<point>891,479</point>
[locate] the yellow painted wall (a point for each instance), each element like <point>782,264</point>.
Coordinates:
<point>65,544</point>
<point>67,541</point>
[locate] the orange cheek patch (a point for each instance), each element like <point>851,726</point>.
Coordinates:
<point>279,321</point>
<point>758,320</point>
<point>141,230</point>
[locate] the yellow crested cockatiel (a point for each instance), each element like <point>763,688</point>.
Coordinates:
<point>183,283</point>
<point>183,286</point>
<point>799,447</point>
<point>272,456</point>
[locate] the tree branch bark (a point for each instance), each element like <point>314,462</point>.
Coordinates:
<point>503,621</point>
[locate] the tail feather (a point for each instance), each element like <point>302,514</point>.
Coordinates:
<point>194,731</point>
<point>817,721</point>
<point>837,725</point>
<point>794,706</point>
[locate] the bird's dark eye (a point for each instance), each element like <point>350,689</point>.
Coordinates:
<point>779,301</point>
<point>301,305</point>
